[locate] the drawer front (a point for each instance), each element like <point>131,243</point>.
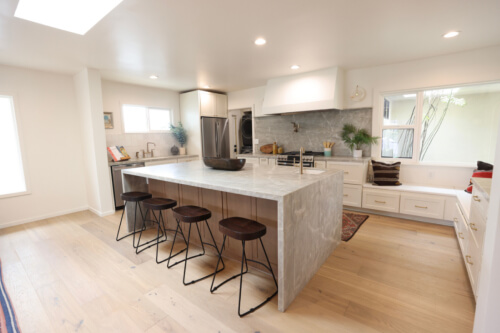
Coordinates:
<point>477,224</point>
<point>381,200</point>
<point>352,195</point>
<point>461,229</point>
<point>480,202</point>
<point>473,264</point>
<point>422,205</point>
<point>353,173</point>
<point>320,164</point>
<point>272,161</point>
<point>263,161</point>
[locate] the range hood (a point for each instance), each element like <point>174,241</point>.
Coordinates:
<point>312,91</point>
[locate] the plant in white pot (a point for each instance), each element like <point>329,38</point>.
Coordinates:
<point>180,135</point>
<point>355,138</point>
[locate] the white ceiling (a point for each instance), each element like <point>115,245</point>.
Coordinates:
<point>191,43</point>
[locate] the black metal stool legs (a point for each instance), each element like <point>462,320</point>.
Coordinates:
<point>157,239</point>
<point>244,263</point>
<point>187,257</point>
<point>118,238</point>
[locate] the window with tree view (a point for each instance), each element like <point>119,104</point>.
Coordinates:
<point>453,125</point>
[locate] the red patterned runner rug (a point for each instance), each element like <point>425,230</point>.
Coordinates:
<point>8,322</point>
<point>351,223</point>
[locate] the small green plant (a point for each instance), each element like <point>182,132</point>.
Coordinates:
<point>356,137</point>
<point>179,133</point>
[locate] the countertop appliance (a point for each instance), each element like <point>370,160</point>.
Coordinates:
<point>215,137</point>
<point>116,174</point>
<point>292,158</point>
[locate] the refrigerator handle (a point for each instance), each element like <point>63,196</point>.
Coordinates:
<point>217,139</point>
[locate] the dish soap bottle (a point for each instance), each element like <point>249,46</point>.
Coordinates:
<point>275,148</point>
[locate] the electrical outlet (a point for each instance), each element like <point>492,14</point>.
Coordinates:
<point>255,141</point>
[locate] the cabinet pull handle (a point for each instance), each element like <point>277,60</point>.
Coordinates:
<point>461,235</point>
<point>469,261</point>
<point>346,172</point>
<point>473,226</point>
<point>476,198</point>
<point>424,207</point>
<point>455,219</point>
<point>380,201</point>
<point>346,195</point>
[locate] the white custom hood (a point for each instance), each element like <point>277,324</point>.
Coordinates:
<point>311,91</point>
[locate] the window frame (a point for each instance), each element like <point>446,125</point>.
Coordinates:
<point>378,124</point>
<point>20,139</point>
<point>170,111</point>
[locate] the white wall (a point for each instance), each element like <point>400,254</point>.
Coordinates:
<point>115,94</point>
<point>246,98</point>
<point>97,175</point>
<point>52,144</point>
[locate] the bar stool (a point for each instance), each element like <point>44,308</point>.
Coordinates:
<point>192,214</point>
<point>132,197</point>
<point>244,230</point>
<point>157,204</point>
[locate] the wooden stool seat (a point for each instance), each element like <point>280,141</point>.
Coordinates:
<point>159,203</point>
<point>135,196</point>
<point>191,214</point>
<point>241,228</point>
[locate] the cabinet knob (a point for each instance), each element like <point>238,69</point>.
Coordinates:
<point>473,226</point>
<point>455,219</point>
<point>468,259</point>
<point>382,202</point>
<point>476,198</point>
<point>346,172</point>
<point>461,235</point>
<point>346,195</point>
<point>423,207</point>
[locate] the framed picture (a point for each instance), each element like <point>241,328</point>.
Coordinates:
<point>108,120</point>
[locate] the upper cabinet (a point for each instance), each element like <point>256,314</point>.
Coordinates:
<point>212,104</point>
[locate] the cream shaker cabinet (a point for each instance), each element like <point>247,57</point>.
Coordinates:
<point>212,104</point>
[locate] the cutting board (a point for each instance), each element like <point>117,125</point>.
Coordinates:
<point>267,149</point>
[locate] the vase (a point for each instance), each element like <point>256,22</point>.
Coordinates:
<point>357,153</point>
<point>182,151</point>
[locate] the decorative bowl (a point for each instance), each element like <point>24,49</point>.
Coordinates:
<point>232,164</point>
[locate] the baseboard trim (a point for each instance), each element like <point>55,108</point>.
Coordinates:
<point>43,217</point>
<point>101,214</point>
<point>402,216</point>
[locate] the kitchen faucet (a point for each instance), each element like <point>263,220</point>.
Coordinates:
<point>301,164</point>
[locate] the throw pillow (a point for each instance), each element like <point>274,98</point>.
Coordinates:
<point>386,174</point>
<point>479,174</point>
<point>484,166</point>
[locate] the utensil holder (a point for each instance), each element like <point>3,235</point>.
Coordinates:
<point>328,152</point>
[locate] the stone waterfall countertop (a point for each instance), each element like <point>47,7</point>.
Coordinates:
<point>261,181</point>
<point>151,159</point>
<point>483,185</point>
<point>349,159</point>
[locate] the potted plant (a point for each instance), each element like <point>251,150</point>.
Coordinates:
<point>356,138</point>
<point>180,135</point>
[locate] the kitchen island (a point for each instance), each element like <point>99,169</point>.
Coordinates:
<point>302,212</point>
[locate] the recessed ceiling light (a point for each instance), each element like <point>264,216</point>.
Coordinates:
<point>77,16</point>
<point>451,34</point>
<point>153,77</point>
<point>260,41</point>
<point>294,67</point>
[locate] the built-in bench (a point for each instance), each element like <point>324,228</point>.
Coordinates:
<point>422,203</point>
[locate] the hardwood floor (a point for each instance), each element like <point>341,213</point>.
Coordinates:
<point>69,274</point>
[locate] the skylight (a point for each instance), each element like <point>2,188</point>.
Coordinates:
<point>77,16</point>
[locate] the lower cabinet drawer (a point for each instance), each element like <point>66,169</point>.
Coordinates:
<point>253,160</point>
<point>263,160</point>
<point>473,263</point>
<point>477,225</point>
<point>352,195</point>
<point>381,200</point>
<point>353,173</point>
<point>461,229</point>
<point>422,205</point>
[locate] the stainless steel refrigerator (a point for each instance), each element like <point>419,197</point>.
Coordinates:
<point>215,137</point>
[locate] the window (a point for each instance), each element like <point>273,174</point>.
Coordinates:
<point>141,119</point>
<point>12,180</point>
<point>451,125</point>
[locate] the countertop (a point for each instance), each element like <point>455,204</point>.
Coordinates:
<point>316,158</point>
<point>261,181</point>
<point>483,185</point>
<point>149,159</point>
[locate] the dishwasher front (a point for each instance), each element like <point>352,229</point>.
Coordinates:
<point>116,173</point>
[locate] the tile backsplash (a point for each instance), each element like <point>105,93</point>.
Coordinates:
<point>314,128</point>
<point>136,142</point>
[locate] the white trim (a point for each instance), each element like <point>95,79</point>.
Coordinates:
<point>16,194</point>
<point>43,217</point>
<point>399,215</point>
<point>101,214</point>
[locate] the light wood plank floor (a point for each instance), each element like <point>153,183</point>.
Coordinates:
<point>69,274</point>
